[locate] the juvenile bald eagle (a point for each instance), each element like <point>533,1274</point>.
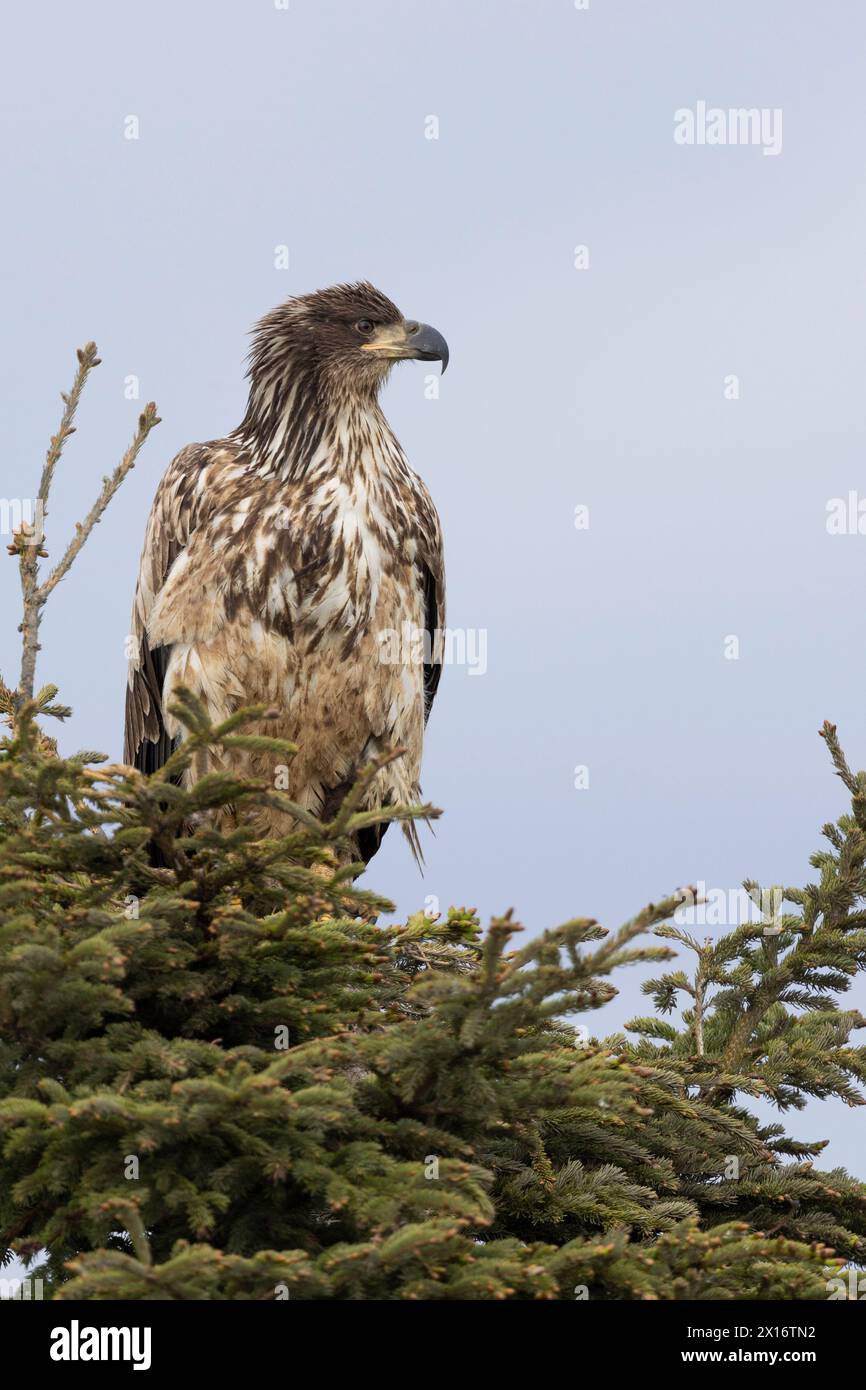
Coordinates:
<point>276,562</point>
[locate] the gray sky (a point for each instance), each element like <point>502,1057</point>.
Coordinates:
<point>603,387</point>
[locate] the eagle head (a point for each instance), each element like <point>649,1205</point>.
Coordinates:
<point>348,335</point>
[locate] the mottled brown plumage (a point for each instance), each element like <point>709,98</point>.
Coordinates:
<point>278,561</point>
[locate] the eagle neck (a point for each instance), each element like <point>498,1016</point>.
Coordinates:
<point>305,425</point>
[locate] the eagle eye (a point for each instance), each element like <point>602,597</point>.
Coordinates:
<point>365,326</point>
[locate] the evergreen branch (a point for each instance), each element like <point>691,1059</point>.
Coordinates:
<point>289,1073</point>
<point>828,733</point>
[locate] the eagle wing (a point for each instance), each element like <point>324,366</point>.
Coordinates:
<point>170,525</point>
<point>433,583</point>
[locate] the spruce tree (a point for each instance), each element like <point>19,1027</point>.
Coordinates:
<point>223,1079</point>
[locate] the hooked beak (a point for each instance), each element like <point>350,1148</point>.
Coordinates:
<point>405,340</point>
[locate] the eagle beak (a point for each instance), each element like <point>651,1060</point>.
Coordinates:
<point>416,340</point>
<point>426,343</point>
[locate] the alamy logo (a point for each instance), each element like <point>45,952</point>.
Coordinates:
<point>76,1343</point>
<point>453,646</point>
<point>713,125</point>
<point>731,907</point>
<point>846,516</point>
<point>847,1284</point>
<point>23,516</point>
<point>20,1288</point>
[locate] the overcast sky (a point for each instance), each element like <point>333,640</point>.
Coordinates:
<point>693,378</point>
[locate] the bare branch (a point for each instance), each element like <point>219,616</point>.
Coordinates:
<point>27,542</point>
<point>146,422</point>
<point>87,360</point>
